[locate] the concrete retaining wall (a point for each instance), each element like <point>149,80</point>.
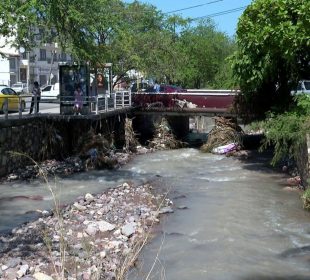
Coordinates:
<point>43,138</point>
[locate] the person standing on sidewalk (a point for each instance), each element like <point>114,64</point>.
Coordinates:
<point>78,100</point>
<point>36,94</point>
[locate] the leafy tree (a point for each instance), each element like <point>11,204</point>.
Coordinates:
<point>205,50</point>
<point>129,35</point>
<point>273,52</point>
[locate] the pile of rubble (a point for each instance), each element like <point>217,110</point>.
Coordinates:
<point>97,237</point>
<point>131,141</point>
<point>48,167</point>
<point>224,137</point>
<point>164,138</point>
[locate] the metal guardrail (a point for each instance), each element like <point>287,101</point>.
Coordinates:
<point>14,107</point>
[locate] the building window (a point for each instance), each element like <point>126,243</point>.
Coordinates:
<point>42,54</point>
<point>13,79</point>
<point>12,63</point>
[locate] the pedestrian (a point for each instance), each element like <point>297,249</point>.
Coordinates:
<point>156,87</point>
<point>78,100</point>
<point>36,96</point>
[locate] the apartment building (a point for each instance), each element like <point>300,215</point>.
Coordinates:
<point>38,64</point>
<point>9,63</point>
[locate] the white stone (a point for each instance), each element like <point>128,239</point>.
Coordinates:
<point>103,254</point>
<point>128,229</point>
<point>165,210</point>
<point>22,270</point>
<point>117,232</point>
<point>4,267</point>
<point>105,226</point>
<point>42,276</point>
<point>56,238</point>
<point>89,197</point>
<point>122,237</point>
<point>91,230</point>
<point>131,219</point>
<point>126,185</point>
<point>79,207</point>
<point>114,244</point>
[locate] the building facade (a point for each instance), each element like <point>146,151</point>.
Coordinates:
<point>9,63</point>
<point>39,64</point>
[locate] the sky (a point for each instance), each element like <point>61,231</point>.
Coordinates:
<point>226,22</point>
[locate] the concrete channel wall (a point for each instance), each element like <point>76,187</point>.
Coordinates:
<point>40,138</point>
<point>23,141</point>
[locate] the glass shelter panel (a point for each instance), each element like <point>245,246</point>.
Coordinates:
<point>71,78</point>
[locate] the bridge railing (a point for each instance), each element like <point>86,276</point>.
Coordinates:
<point>13,107</point>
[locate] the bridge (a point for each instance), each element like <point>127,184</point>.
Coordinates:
<point>191,103</point>
<point>54,132</point>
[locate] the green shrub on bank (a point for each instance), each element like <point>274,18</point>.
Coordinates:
<point>306,199</point>
<point>287,132</point>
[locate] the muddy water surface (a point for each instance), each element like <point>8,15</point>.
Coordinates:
<point>238,222</point>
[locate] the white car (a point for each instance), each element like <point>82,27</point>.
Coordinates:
<point>50,92</point>
<point>20,88</point>
<point>302,87</point>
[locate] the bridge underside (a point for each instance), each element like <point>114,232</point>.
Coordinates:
<point>189,112</point>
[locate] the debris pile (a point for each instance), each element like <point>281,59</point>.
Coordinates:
<point>184,103</point>
<point>131,141</point>
<point>97,237</point>
<point>48,167</point>
<point>225,134</point>
<point>96,151</point>
<point>164,138</point>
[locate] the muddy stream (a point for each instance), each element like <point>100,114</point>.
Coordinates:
<point>232,219</point>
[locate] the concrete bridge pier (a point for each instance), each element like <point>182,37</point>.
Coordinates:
<point>145,126</point>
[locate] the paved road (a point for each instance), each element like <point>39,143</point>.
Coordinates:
<point>46,107</point>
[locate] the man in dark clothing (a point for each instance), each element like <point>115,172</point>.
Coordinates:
<point>36,94</point>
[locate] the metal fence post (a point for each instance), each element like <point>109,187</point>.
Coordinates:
<point>106,103</point>
<point>123,99</point>
<point>19,107</point>
<point>6,108</point>
<point>115,100</point>
<point>35,105</point>
<point>129,95</point>
<point>97,104</point>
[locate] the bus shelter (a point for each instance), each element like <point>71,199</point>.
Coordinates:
<point>70,78</point>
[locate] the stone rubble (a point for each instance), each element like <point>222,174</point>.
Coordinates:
<point>96,237</point>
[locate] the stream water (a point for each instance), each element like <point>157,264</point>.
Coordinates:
<point>232,219</point>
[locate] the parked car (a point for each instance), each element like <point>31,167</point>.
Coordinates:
<point>142,87</point>
<point>302,87</point>
<point>12,97</point>
<point>166,89</point>
<point>20,88</point>
<point>171,88</point>
<point>50,92</point>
